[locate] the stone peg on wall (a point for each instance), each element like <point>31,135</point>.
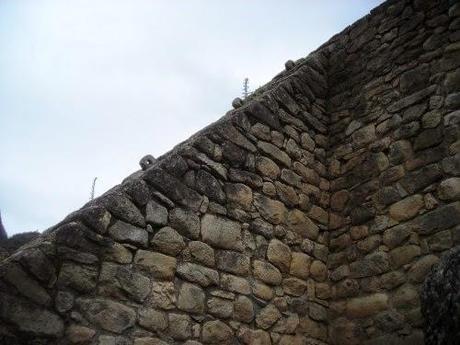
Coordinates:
<point>289,65</point>
<point>147,161</point>
<point>237,103</point>
<point>440,297</point>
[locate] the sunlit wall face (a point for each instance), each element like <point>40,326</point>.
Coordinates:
<point>88,87</point>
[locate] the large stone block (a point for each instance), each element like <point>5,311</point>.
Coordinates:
<point>302,225</point>
<point>185,222</point>
<point>127,233</point>
<point>271,210</point>
<point>266,272</point>
<point>152,319</point>
<point>233,262</point>
<point>441,218</point>
<point>168,241</point>
<point>360,307</point>
<point>198,274</point>
<point>275,153</point>
<point>406,208</point>
<point>111,316</point>
<point>191,298</point>
<point>160,265</point>
<point>221,232</point>
<point>30,318</point>
<point>279,254</point>
<point>202,253</point>
<point>372,264</point>
<point>216,332</point>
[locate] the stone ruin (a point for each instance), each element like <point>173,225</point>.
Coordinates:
<point>309,214</point>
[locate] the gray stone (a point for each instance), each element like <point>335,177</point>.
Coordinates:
<point>411,99</point>
<point>403,255</point>
<point>233,262</point>
<point>449,189</point>
<point>372,264</point>
<point>173,188</point>
<point>127,233</point>
<point>260,112</point>
<point>64,301</point>
<point>152,319</point>
<point>122,208</point>
<point>163,295</point>
<point>266,167</point>
<point>202,253</point>
<point>440,241</point>
<point>440,301</point>
<point>279,254</point>
<point>159,265</point>
<point>110,316</point>
<point>28,318</point>
<point>439,219</point>
<point>243,309</point>
<point>271,210</point>
<point>221,232</point>
<point>235,284</point>
<point>275,153</point>
<point>208,185</point>
<point>168,241</point>
<point>186,222</point>
<point>266,272</point>
<point>220,307</point>
<point>39,265</point>
<point>191,298</point>
<point>155,213</point>
<point>25,284</point>
<point>216,332</point>
<point>79,277</point>
<point>261,227</point>
<point>307,142</point>
<point>261,131</point>
<point>267,316</point>
<point>302,225</point>
<point>239,194</point>
<point>180,326</point>
<point>451,165</point>
<point>421,268</point>
<point>364,135</point>
<point>198,274</point>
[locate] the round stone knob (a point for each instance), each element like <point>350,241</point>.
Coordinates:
<point>237,102</point>
<point>146,162</point>
<point>289,65</point>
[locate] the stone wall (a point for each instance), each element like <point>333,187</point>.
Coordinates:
<point>309,214</point>
<point>222,240</point>
<point>394,162</point>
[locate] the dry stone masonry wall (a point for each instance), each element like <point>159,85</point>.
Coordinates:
<point>394,166</point>
<point>309,214</point>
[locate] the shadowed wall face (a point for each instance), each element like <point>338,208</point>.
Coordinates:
<point>310,214</point>
<point>393,103</point>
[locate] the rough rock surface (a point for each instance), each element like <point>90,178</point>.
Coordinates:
<point>440,299</point>
<point>309,214</point>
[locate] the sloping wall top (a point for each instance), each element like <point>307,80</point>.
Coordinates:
<point>309,214</point>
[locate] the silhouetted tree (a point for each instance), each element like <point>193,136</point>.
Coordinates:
<point>93,187</point>
<point>246,91</point>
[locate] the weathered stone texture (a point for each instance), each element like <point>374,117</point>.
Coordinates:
<point>310,214</point>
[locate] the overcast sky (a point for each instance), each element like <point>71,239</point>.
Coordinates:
<point>89,87</point>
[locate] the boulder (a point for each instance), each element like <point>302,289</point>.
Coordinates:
<point>440,299</point>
